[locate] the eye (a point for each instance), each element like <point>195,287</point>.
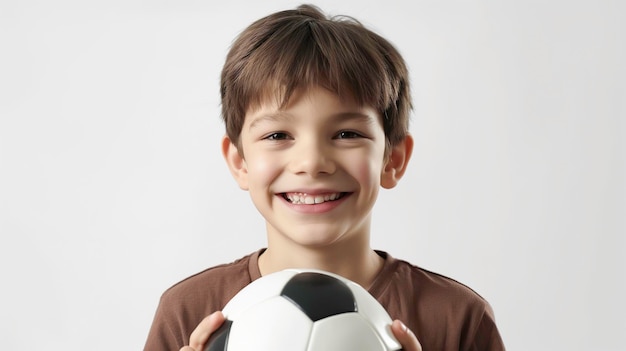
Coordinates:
<point>277,136</point>
<point>348,134</point>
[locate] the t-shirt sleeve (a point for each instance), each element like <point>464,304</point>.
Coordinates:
<point>163,334</point>
<point>487,337</point>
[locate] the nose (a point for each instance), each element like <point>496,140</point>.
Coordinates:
<point>313,157</point>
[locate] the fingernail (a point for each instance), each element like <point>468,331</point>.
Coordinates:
<point>403,326</point>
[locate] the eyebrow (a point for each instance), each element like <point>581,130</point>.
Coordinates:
<point>286,117</point>
<point>270,117</point>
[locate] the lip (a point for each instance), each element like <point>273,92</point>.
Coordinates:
<point>311,199</point>
<point>316,208</point>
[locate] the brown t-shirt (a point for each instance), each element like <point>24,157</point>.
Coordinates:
<point>443,313</point>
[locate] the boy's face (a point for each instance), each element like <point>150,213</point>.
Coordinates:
<point>313,168</point>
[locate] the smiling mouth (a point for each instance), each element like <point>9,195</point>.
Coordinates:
<point>306,199</point>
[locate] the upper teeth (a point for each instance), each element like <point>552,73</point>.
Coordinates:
<point>306,199</point>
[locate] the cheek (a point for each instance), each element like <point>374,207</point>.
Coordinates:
<point>262,169</point>
<point>366,170</point>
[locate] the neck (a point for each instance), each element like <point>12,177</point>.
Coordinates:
<point>354,261</point>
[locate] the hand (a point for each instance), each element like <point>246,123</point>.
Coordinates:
<point>203,331</point>
<point>212,322</point>
<point>405,336</point>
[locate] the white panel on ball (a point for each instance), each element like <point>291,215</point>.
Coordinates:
<point>260,329</point>
<point>348,331</point>
<point>261,289</point>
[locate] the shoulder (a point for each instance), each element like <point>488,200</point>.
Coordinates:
<point>218,282</point>
<point>429,280</point>
<point>399,273</point>
<point>449,293</point>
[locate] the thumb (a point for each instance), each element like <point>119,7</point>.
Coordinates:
<point>405,336</point>
<point>203,331</point>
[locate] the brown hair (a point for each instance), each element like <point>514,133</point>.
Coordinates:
<point>299,48</point>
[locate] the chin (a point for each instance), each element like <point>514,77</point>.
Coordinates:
<point>316,240</point>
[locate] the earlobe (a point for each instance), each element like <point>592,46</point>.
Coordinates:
<point>396,163</point>
<point>236,163</point>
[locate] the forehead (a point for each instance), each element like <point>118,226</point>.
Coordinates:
<point>314,100</point>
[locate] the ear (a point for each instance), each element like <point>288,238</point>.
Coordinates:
<point>396,163</point>
<point>236,163</point>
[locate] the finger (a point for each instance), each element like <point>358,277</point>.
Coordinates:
<point>405,336</point>
<point>186,348</point>
<point>203,331</point>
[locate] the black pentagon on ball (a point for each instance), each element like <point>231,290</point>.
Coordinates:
<point>219,339</point>
<point>319,295</point>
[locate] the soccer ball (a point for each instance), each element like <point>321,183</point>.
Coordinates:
<point>303,310</point>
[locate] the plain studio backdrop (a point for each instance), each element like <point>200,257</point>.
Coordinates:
<point>113,188</point>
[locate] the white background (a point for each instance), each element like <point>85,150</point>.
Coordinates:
<point>112,187</point>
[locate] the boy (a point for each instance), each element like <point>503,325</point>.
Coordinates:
<point>316,113</point>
